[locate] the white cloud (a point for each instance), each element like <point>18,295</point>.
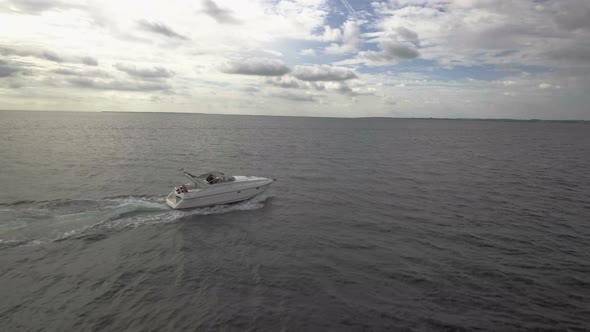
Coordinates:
<point>474,32</point>
<point>327,82</point>
<point>273,52</point>
<point>351,39</point>
<point>545,86</point>
<point>99,54</point>
<point>308,52</point>
<point>323,73</point>
<point>331,34</point>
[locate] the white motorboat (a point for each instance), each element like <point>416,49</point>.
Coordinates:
<point>215,188</point>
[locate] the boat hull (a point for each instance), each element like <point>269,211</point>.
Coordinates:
<point>218,194</point>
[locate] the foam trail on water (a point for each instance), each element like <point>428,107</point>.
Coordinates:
<point>33,223</point>
<point>170,215</point>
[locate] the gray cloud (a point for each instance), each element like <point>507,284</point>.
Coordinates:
<point>161,29</point>
<point>221,15</point>
<point>528,32</point>
<point>15,85</point>
<point>323,73</point>
<point>51,56</point>
<point>66,71</point>
<point>117,85</point>
<point>145,73</point>
<point>284,82</point>
<point>317,85</point>
<point>33,6</point>
<point>251,90</point>
<point>294,97</point>
<point>571,53</point>
<point>47,55</point>
<point>10,68</point>
<point>505,36</point>
<point>573,15</point>
<point>256,66</point>
<point>89,61</point>
<point>407,34</point>
<point>289,82</point>
<point>389,100</point>
<point>343,88</point>
<point>395,50</point>
<point>340,87</point>
<point>391,52</point>
<point>81,73</point>
<point>82,82</point>
<point>6,70</point>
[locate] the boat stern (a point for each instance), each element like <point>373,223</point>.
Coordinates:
<point>173,200</point>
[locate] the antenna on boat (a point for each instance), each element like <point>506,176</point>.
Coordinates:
<point>189,175</point>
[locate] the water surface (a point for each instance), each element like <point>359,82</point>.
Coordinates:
<point>373,224</point>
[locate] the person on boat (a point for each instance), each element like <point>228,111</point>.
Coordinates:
<point>210,178</point>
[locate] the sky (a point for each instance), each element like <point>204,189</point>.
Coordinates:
<point>522,59</point>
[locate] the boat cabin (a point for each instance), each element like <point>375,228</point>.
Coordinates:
<point>207,179</point>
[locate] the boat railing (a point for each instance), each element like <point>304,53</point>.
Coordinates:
<point>199,183</point>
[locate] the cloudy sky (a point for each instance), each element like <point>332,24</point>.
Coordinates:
<point>349,58</point>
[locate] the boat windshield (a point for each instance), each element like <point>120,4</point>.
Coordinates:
<point>214,178</point>
<point>209,178</point>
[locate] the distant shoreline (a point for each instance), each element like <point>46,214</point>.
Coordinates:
<point>320,117</point>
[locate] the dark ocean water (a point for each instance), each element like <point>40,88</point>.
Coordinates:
<point>373,224</point>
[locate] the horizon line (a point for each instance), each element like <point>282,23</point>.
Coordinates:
<point>311,116</point>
